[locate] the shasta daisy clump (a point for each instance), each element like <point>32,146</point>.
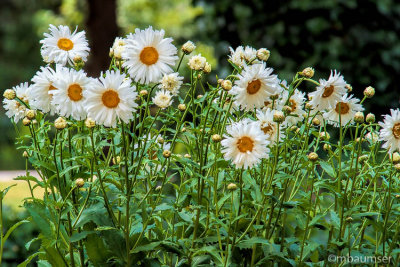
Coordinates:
<point>146,166</point>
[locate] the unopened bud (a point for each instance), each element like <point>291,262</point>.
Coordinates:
<point>182,107</point>
<point>60,123</point>
<point>187,156</point>
<point>263,54</point>
<point>313,156</point>
<point>216,138</point>
<point>143,92</point>
<point>26,121</point>
<point>308,106</point>
<point>359,117</point>
<point>369,91</point>
<point>79,182</point>
<point>327,147</point>
<point>349,219</point>
<point>166,153</point>
<point>279,117</point>
<point>199,96</point>
<point>9,94</point>
<point>316,122</point>
<point>287,110</point>
<point>116,160</point>
<point>25,154</point>
<point>160,140</point>
<point>308,72</point>
<point>226,85</point>
<point>90,123</point>
<point>349,88</point>
<point>158,188</point>
<point>395,158</point>
<point>363,158</point>
<point>207,68</point>
<point>232,187</point>
<point>324,136</point>
<point>370,118</point>
<point>30,114</point>
<point>397,167</point>
<point>188,47</point>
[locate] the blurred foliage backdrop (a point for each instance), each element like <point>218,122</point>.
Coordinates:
<point>358,37</point>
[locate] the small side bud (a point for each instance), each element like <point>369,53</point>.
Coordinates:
<point>327,147</point>
<point>26,121</point>
<point>199,96</point>
<point>232,187</point>
<point>25,154</point>
<point>359,117</point>
<point>370,118</point>
<point>397,167</point>
<point>9,94</point>
<point>187,156</point>
<point>316,122</point>
<point>207,68</point>
<point>308,72</point>
<point>324,136</point>
<point>349,88</point>
<point>182,107</point>
<point>116,160</point>
<point>60,123</point>
<point>395,158</point>
<point>313,156</point>
<point>160,140</point>
<point>143,92</point>
<point>369,91</point>
<point>30,114</point>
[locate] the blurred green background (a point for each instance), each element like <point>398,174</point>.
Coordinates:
<point>359,38</point>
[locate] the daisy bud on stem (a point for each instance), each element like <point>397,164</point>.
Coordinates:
<point>90,123</point>
<point>9,94</point>
<point>308,106</point>
<point>232,187</point>
<point>279,117</point>
<point>160,140</point>
<point>263,54</point>
<point>60,123</point>
<point>79,182</point>
<point>182,107</point>
<point>26,121</point>
<point>207,68</point>
<point>216,138</point>
<point>30,114</point>
<point>369,91</point>
<point>349,88</point>
<point>226,85</point>
<point>166,153</point>
<point>188,47</point>
<point>324,136</point>
<point>143,92</point>
<point>187,156</point>
<point>370,118</point>
<point>316,122</point>
<point>313,156</point>
<point>25,154</point>
<point>327,147</point>
<point>397,167</point>
<point>158,188</point>
<point>395,158</point>
<point>308,72</point>
<point>359,117</point>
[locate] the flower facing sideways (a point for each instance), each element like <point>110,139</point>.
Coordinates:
<point>14,109</point>
<point>390,132</point>
<point>245,144</point>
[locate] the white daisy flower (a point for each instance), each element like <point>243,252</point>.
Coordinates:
<point>329,92</point>
<point>269,127</point>
<point>255,84</point>
<point>14,109</point>
<point>162,99</point>
<point>148,55</point>
<point>197,62</point>
<point>245,144</point>
<point>346,108</point>
<point>171,82</point>
<point>390,132</point>
<point>242,56</point>
<point>296,103</point>
<point>42,84</point>
<point>61,46</point>
<point>118,47</point>
<point>69,98</point>
<point>110,98</point>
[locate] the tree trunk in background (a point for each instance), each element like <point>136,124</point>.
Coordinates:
<point>102,30</point>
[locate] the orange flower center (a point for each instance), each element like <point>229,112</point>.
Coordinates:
<point>110,98</point>
<point>51,87</point>
<point>396,130</point>
<point>292,105</point>
<point>75,92</point>
<point>342,108</point>
<point>65,44</point>
<point>267,103</point>
<point>253,87</point>
<point>149,55</point>
<point>245,144</point>
<point>268,129</point>
<point>328,91</point>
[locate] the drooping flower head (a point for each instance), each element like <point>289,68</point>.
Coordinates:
<point>148,55</point>
<point>390,132</point>
<point>245,144</point>
<point>61,46</point>
<point>111,98</point>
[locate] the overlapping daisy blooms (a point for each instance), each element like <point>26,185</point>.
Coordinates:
<point>154,142</point>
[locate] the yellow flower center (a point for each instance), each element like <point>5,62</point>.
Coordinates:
<point>110,98</point>
<point>268,129</point>
<point>328,91</point>
<point>51,87</point>
<point>292,105</point>
<point>75,92</point>
<point>342,108</point>
<point>245,144</point>
<point>396,130</point>
<point>65,44</point>
<point>149,55</point>
<point>253,87</point>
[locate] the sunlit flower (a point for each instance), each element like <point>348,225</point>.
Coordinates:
<point>344,109</point>
<point>245,144</point>
<point>254,85</point>
<point>14,109</point>
<point>148,55</point>
<point>197,62</point>
<point>61,46</point>
<point>390,132</point>
<point>329,92</point>
<point>111,98</point>
<point>269,127</point>
<point>242,56</point>
<point>162,99</point>
<point>68,98</point>
<point>42,86</point>
<point>171,82</point>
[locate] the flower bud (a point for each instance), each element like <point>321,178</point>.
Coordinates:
<point>308,72</point>
<point>182,107</point>
<point>90,123</point>
<point>143,92</point>
<point>349,219</point>
<point>158,188</point>
<point>287,110</point>
<point>316,122</point>
<point>359,117</point>
<point>293,128</point>
<point>327,147</point>
<point>348,87</point>
<point>79,182</point>
<point>160,140</point>
<point>395,158</point>
<point>369,91</point>
<point>220,81</point>
<point>308,106</point>
<point>30,114</point>
<point>77,59</point>
<point>9,94</point>
<point>183,130</point>
<point>397,167</point>
<point>324,136</point>
<point>187,156</point>
<point>263,54</point>
<point>116,160</point>
<point>274,97</point>
<point>25,154</point>
<point>199,96</point>
<point>216,138</point>
<point>370,118</point>
<point>226,85</point>
<point>166,153</point>
<point>26,121</point>
<point>188,47</point>
<point>279,117</point>
<point>207,68</point>
<point>60,123</point>
<point>34,121</point>
<point>232,187</point>
<point>313,156</point>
